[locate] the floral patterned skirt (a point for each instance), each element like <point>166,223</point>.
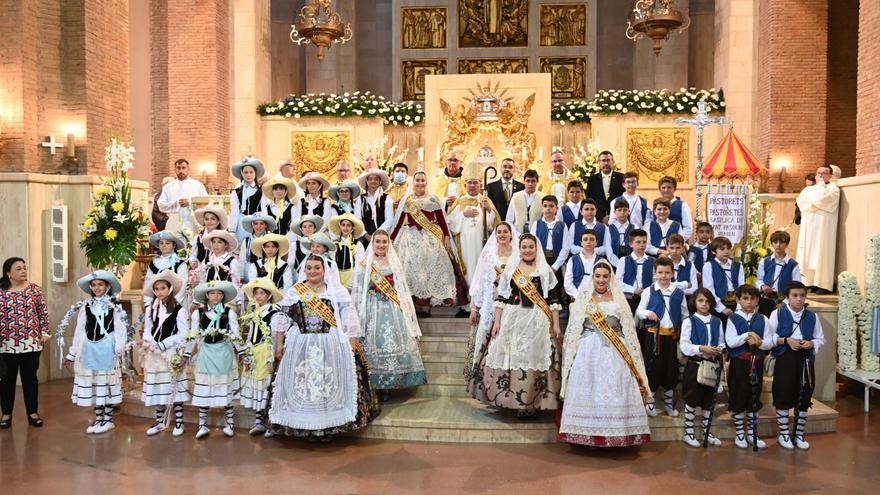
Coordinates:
<point>519,389</point>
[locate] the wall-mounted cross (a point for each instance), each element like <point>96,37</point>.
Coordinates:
<point>51,144</point>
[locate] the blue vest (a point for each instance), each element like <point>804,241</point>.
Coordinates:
<point>658,306</point>
<point>786,327</point>
<point>578,270</point>
<point>620,250</point>
<point>675,210</point>
<point>784,275</point>
<point>698,256</point>
<point>558,234</point>
<point>684,274</point>
<point>629,271</point>
<point>719,277</point>
<point>642,201</point>
<point>657,234</point>
<point>568,217</point>
<point>742,326</point>
<point>700,334</point>
<point>579,229</point>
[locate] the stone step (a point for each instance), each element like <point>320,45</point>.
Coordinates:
<point>443,385</point>
<point>443,364</point>
<point>436,326</point>
<point>432,344</point>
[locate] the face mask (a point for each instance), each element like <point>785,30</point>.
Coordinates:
<point>399,177</point>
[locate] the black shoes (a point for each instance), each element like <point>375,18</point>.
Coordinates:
<point>35,420</point>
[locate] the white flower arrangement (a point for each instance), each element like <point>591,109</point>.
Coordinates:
<point>355,104</point>
<point>385,157</point>
<point>870,361</point>
<point>609,102</point>
<point>850,308</point>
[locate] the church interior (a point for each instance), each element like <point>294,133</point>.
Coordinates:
<point>739,102</point>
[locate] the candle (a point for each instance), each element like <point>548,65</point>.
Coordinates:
<point>438,153</point>
<point>540,153</point>
<point>525,156</point>
<point>71,146</point>
<point>421,154</point>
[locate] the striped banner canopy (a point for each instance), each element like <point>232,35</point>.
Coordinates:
<point>731,159</point>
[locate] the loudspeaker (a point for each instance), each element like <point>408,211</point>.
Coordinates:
<point>58,242</point>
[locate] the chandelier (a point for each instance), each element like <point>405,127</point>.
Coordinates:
<point>655,19</point>
<point>318,24</point>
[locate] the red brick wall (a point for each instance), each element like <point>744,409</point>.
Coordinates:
<point>19,85</point>
<point>190,87</point>
<point>868,120</point>
<point>843,42</point>
<point>792,86</point>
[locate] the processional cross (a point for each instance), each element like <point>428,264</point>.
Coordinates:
<point>701,120</point>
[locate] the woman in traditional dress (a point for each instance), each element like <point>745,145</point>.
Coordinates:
<point>497,253</point>
<point>388,316</point>
<point>345,198</point>
<point>314,202</point>
<point>603,376</point>
<point>421,237</point>
<point>521,365</point>
<point>322,386</point>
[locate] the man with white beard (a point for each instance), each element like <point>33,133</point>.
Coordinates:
<point>465,221</point>
<point>176,198</point>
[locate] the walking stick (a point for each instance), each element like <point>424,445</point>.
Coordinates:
<point>714,401</point>
<point>485,212</point>
<point>753,378</point>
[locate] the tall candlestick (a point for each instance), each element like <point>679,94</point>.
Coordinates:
<point>421,154</point>
<point>540,153</point>
<point>438,153</point>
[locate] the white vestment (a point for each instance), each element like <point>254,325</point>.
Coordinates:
<point>469,232</point>
<point>180,217</point>
<point>817,242</point>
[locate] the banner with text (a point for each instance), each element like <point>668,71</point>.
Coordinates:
<point>727,213</point>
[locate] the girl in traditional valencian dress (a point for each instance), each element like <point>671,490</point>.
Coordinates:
<point>345,198</point>
<point>521,365</point>
<point>314,202</point>
<point>96,352</point>
<point>270,251</point>
<point>168,244</point>
<point>166,324</point>
<point>421,237</point>
<point>280,203</point>
<point>498,252</point>
<point>322,385</point>
<point>213,337</point>
<point>603,375</point>
<point>211,218</point>
<point>387,314</point>
<point>262,319</point>
<point>346,232</point>
<point>247,196</point>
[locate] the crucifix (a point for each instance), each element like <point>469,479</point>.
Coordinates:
<point>701,120</point>
<point>51,144</point>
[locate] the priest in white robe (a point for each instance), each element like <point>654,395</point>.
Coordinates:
<point>465,219</point>
<point>176,199</point>
<point>817,242</point>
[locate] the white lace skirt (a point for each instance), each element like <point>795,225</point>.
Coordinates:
<point>161,387</point>
<point>315,386</point>
<point>602,399</point>
<point>523,340</point>
<point>426,263</point>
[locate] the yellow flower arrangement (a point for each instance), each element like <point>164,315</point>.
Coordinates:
<point>90,220</point>
<point>117,206</point>
<point>761,251</point>
<point>102,191</point>
<point>110,234</point>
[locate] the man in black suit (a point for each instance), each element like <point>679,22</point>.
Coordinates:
<point>605,185</point>
<point>500,191</point>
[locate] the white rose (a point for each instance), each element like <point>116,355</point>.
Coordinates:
<point>618,106</point>
<point>287,115</point>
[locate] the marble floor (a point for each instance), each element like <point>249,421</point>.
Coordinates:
<point>61,458</point>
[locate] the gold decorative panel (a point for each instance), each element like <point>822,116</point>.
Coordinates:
<point>493,66</point>
<point>563,25</point>
<point>493,23</point>
<point>655,152</point>
<point>569,76</point>
<point>423,27</point>
<point>319,151</point>
<point>413,72</point>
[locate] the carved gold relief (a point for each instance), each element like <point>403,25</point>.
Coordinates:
<point>493,23</point>
<point>493,66</point>
<point>319,151</point>
<point>413,72</point>
<point>568,76</point>
<point>423,27</point>
<point>656,152</point>
<point>564,25</point>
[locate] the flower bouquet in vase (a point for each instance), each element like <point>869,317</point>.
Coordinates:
<point>756,245</point>
<point>113,228</point>
<point>385,156</point>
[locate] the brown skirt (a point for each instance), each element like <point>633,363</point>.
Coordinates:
<point>527,390</point>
